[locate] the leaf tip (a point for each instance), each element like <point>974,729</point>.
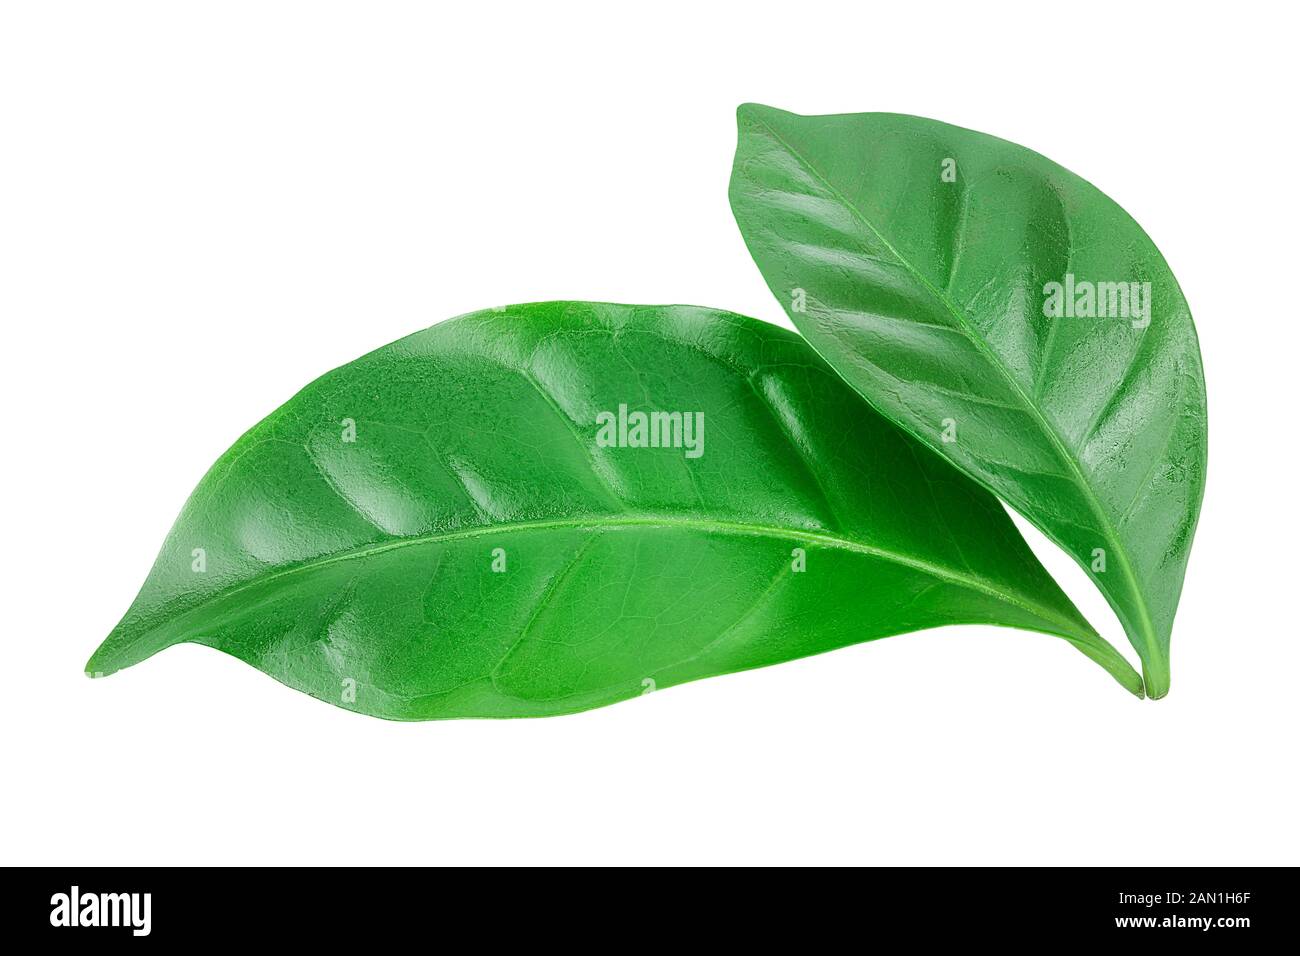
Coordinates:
<point>95,667</point>
<point>751,111</point>
<point>106,660</point>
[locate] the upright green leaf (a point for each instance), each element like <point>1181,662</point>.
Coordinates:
<point>1009,315</point>
<point>468,522</point>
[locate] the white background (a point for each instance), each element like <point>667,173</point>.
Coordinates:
<point>202,208</point>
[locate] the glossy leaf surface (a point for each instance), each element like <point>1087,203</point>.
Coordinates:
<point>439,529</point>
<point>1009,315</point>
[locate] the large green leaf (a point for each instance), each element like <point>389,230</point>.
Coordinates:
<point>919,259</point>
<point>440,528</point>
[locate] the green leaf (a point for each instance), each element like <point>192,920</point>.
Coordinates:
<point>440,528</point>
<point>918,260</point>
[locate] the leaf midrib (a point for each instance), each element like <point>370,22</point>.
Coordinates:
<point>1106,527</point>
<point>1069,629</point>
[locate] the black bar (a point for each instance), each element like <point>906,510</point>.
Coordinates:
<point>1226,906</point>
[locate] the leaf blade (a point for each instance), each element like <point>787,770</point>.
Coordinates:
<point>923,294</point>
<point>479,434</point>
